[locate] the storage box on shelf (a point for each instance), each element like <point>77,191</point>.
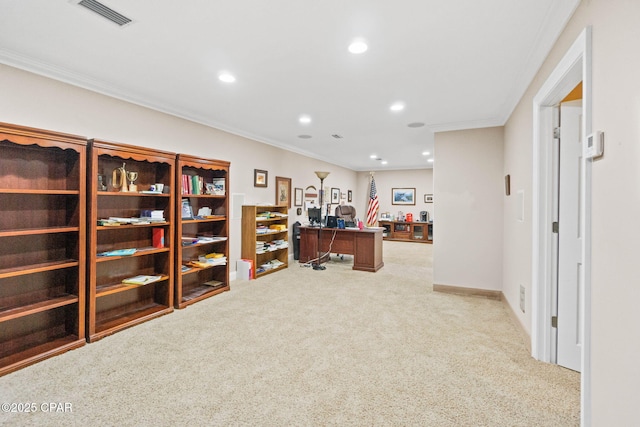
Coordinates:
<point>131,234</point>
<point>42,252</point>
<point>265,238</point>
<point>202,249</point>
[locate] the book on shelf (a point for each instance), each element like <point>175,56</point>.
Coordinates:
<point>213,283</point>
<point>158,237</point>
<point>141,279</point>
<point>118,252</point>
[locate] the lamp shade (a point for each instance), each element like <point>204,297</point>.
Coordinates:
<point>322,175</point>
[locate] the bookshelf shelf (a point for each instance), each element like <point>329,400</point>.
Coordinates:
<point>197,179</point>
<point>112,305</point>
<point>115,287</point>
<point>42,251</point>
<point>117,322</point>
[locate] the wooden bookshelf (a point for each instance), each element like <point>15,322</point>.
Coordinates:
<point>193,177</point>
<point>261,217</point>
<point>42,251</point>
<point>112,305</point>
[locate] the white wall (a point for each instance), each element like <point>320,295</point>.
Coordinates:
<point>468,193</point>
<point>420,179</point>
<point>615,368</point>
<point>31,100</point>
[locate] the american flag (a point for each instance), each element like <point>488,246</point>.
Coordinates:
<point>372,210</point>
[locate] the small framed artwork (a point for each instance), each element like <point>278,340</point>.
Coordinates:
<point>335,195</point>
<point>507,185</point>
<point>260,178</point>
<point>187,211</point>
<point>428,198</point>
<point>297,197</point>
<point>283,191</point>
<point>349,196</point>
<point>403,196</point>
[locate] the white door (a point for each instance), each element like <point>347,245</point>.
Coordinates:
<point>570,263</point>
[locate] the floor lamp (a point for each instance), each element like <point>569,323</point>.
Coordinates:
<point>318,265</point>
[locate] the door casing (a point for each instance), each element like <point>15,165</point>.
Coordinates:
<point>574,67</point>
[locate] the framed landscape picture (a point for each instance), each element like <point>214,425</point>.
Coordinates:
<point>403,196</point>
<point>259,178</point>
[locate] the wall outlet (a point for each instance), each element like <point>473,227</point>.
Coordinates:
<point>522,294</point>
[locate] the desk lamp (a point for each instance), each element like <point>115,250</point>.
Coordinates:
<point>318,265</point>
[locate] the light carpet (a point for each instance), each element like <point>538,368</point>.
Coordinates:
<point>309,348</point>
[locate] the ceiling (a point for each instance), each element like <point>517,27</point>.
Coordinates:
<point>454,64</point>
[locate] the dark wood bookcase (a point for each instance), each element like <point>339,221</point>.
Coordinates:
<point>111,304</point>
<point>42,251</point>
<point>199,236</point>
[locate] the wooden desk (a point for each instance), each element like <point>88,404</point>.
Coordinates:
<point>365,245</point>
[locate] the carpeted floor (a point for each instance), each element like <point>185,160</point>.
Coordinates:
<point>309,348</point>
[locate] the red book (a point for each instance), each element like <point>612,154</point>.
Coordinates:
<point>158,237</point>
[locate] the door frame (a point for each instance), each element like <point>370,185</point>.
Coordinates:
<point>573,68</point>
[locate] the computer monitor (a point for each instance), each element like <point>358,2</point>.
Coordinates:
<point>315,216</point>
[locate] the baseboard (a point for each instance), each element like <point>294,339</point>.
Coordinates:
<point>474,292</point>
<point>494,295</point>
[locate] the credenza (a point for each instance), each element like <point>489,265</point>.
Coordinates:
<point>408,231</point>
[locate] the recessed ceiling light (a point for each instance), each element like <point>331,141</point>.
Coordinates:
<point>416,125</point>
<point>384,162</point>
<point>425,153</point>
<point>373,156</point>
<point>226,77</point>
<point>304,136</point>
<point>358,47</point>
<point>430,160</point>
<point>398,106</point>
<point>304,119</point>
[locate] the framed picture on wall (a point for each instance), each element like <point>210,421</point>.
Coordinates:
<point>349,196</point>
<point>403,196</point>
<point>335,195</point>
<point>260,178</point>
<point>297,197</point>
<point>283,191</point>
<point>428,198</point>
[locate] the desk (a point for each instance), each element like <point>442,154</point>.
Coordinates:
<point>365,245</point>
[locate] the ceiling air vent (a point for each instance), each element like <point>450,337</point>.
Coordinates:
<point>105,12</point>
<point>336,136</point>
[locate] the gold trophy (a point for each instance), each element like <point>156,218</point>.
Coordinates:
<point>119,178</point>
<point>132,177</point>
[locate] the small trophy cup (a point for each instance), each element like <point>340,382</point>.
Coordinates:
<point>132,176</point>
